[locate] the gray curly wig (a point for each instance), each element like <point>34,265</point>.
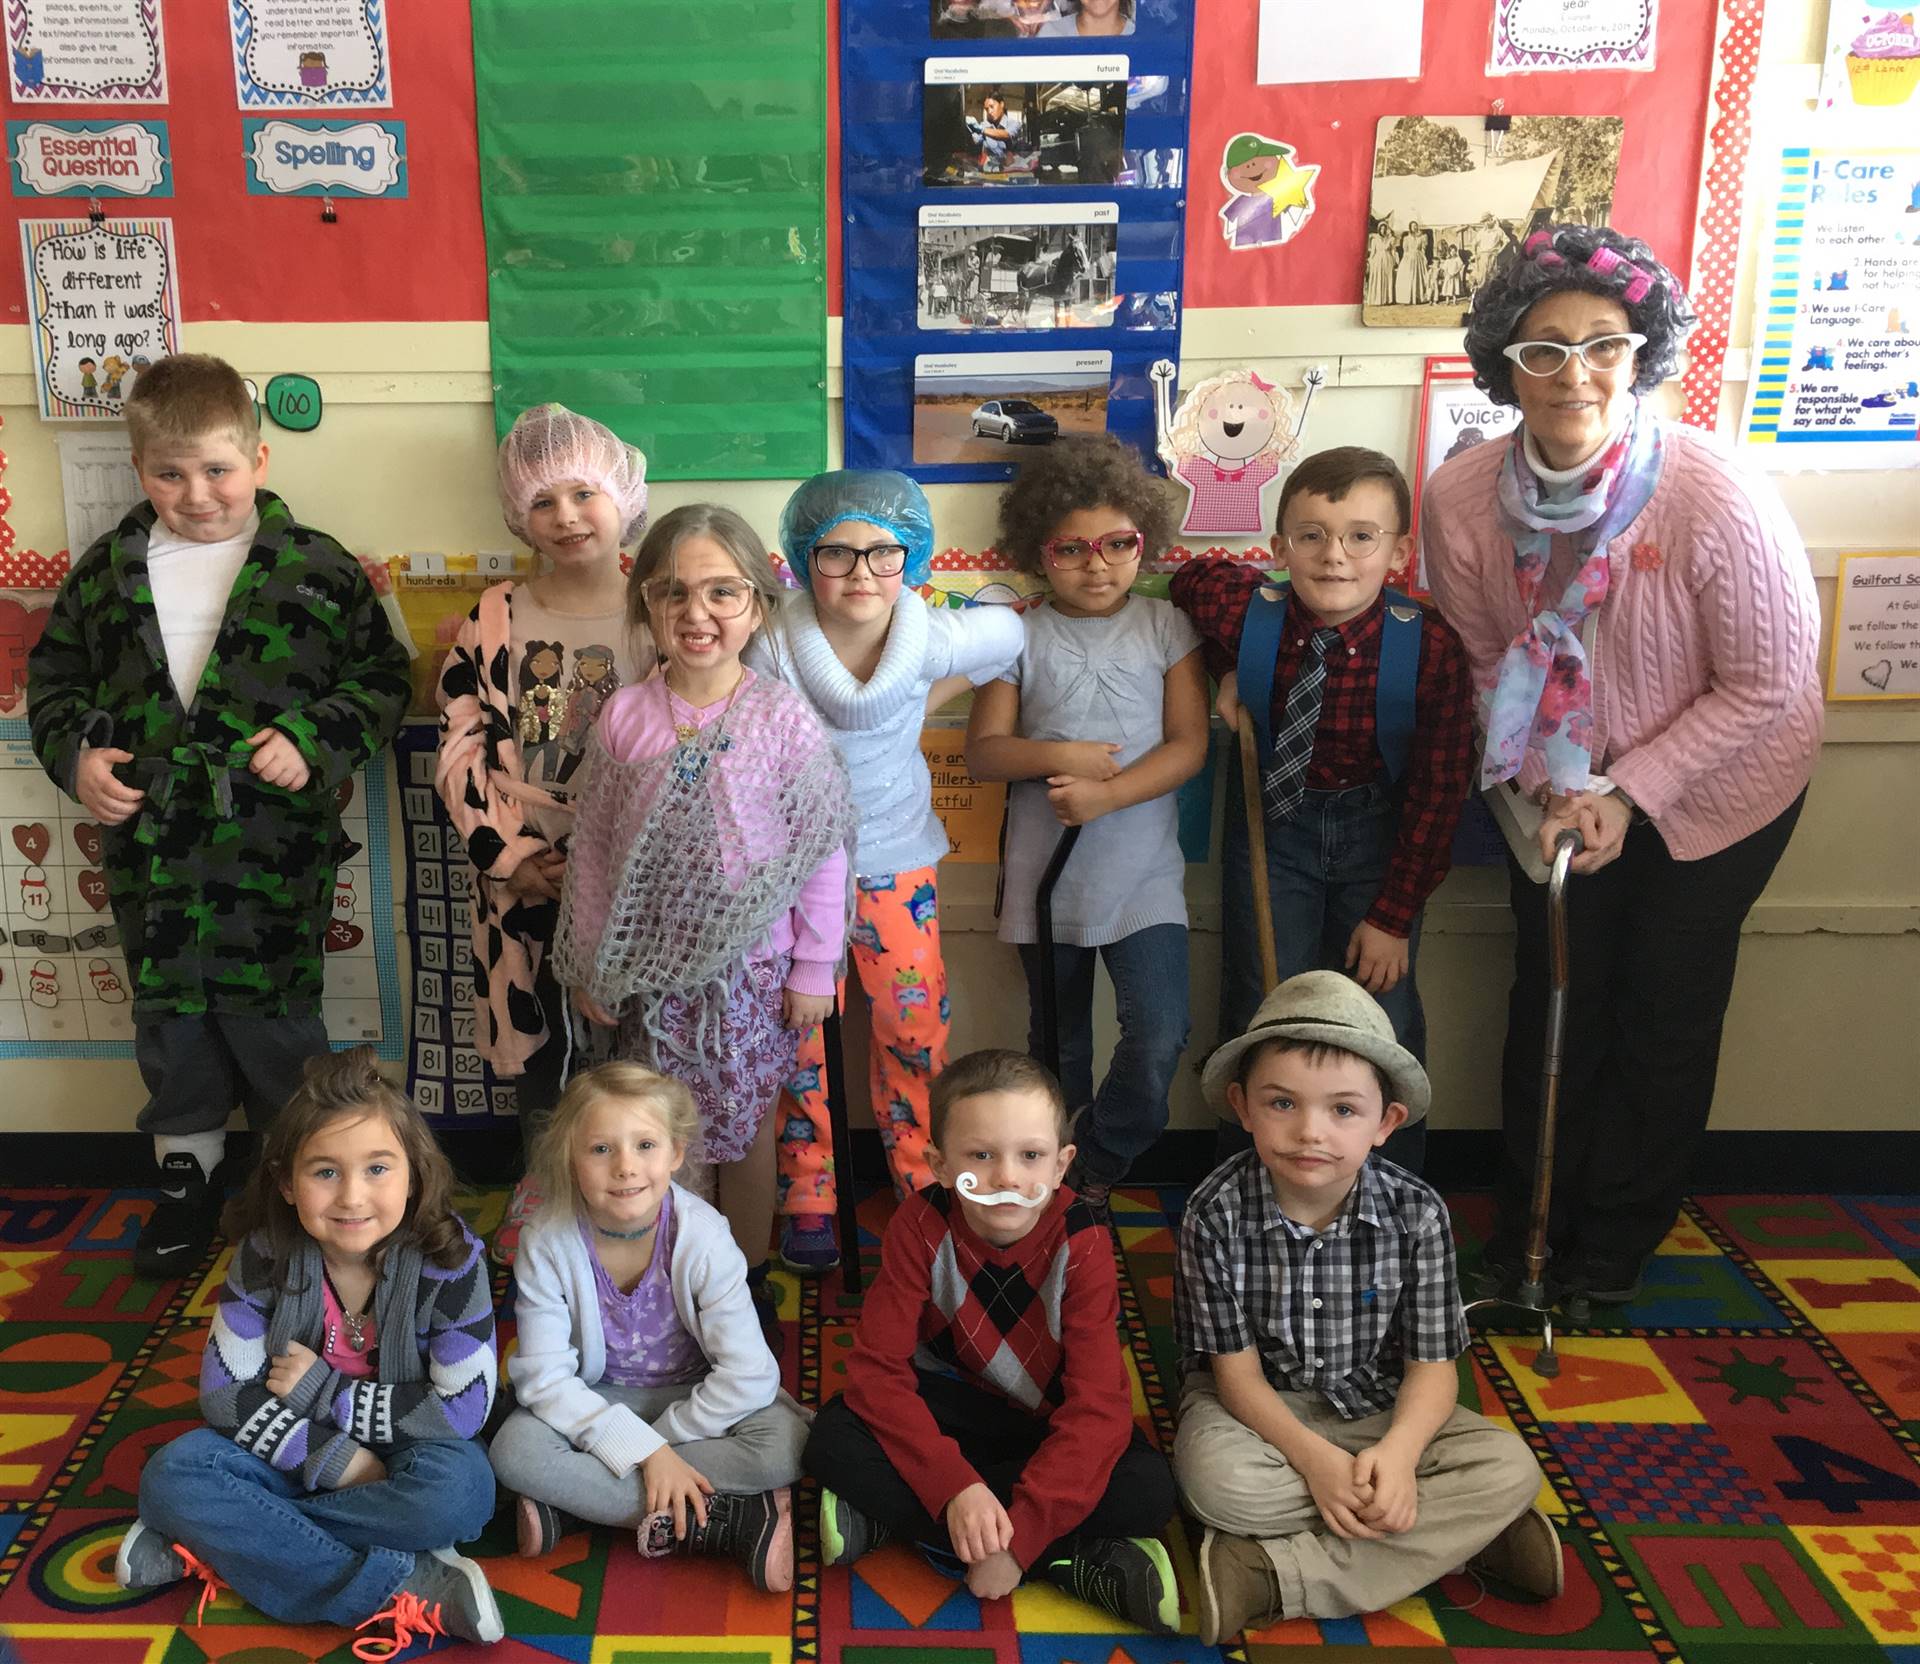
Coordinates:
<point>1596,261</point>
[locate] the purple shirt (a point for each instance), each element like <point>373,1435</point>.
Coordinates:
<point>647,1344</point>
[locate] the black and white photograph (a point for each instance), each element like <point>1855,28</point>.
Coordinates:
<point>1030,19</point>
<point>992,406</point>
<point>1052,268</point>
<point>1451,194</point>
<point>1064,125</point>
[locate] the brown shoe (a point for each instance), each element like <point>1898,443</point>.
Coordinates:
<point>1237,1586</point>
<point>1525,1558</point>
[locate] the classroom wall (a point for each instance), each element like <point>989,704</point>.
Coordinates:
<point>1822,1034</point>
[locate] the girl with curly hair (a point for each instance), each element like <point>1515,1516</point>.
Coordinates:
<point>1101,720</point>
<point>1641,622</point>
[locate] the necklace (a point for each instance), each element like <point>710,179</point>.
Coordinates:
<point>685,731</point>
<point>356,1322</point>
<point>626,1236</point>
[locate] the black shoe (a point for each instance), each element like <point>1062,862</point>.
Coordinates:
<point>1094,1193</point>
<point>766,1307</point>
<point>1605,1279</point>
<point>755,1531</point>
<point>539,1526</point>
<point>1130,1577</point>
<point>181,1227</point>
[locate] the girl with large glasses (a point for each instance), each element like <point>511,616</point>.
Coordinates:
<point>872,658</point>
<point>1102,719</point>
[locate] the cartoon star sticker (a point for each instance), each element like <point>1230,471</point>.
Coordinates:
<point>1290,186</point>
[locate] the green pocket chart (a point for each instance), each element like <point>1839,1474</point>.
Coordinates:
<point>653,186</point>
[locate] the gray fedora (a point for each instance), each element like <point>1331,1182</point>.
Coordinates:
<point>1332,1010</point>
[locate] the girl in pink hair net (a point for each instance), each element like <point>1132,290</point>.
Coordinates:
<point>521,687</point>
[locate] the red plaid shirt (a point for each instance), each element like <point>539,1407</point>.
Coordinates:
<point>1034,1322</point>
<point>1215,594</point>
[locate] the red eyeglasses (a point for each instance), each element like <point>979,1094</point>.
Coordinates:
<point>1069,554</point>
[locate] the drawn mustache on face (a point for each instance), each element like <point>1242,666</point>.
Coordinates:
<point>969,1186</point>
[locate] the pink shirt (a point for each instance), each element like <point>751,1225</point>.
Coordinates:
<point>1227,500</point>
<point>338,1352</point>
<point>637,723</point>
<point>1706,670</point>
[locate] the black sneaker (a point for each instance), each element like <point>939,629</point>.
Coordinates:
<point>845,1532</point>
<point>1130,1577</point>
<point>181,1227</point>
<point>539,1526</point>
<point>1605,1280</point>
<point>755,1530</point>
<point>1092,1192</point>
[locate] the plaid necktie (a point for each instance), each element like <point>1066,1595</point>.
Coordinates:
<point>1283,785</point>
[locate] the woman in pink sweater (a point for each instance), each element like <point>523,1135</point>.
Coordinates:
<point>1643,631</point>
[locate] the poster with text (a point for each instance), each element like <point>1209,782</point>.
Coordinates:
<point>100,52</point>
<point>1836,380</point>
<point>89,158</point>
<point>1534,35</point>
<point>103,304</point>
<point>1872,66</point>
<point>311,54</point>
<point>1455,417</point>
<point>1876,628</point>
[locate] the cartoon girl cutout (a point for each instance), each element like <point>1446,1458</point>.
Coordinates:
<point>1228,442</point>
<point>543,707</point>
<point>595,681</point>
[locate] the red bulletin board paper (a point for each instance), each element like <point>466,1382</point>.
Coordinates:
<point>263,259</point>
<point>1331,126</point>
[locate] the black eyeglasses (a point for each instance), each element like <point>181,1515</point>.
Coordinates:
<point>837,560</point>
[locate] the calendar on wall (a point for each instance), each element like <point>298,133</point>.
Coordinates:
<point>446,1075</point>
<point>64,988</point>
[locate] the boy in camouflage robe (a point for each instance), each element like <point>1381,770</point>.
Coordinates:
<point>211,674</point>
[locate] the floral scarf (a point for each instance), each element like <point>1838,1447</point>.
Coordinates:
<point>1542,693</point>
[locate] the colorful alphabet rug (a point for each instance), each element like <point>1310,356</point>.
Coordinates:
<point>1733,1462</point>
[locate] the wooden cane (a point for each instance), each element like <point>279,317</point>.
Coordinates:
<point>1257,855</point>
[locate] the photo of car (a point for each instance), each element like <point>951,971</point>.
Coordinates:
<point>1012,421</point>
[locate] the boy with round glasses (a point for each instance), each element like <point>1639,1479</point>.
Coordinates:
<point>1363,717</point>
<point>873,659</point>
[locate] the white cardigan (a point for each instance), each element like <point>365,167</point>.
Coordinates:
<point>562,1349</point>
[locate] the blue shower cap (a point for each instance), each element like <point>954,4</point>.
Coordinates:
<point>882,498</point>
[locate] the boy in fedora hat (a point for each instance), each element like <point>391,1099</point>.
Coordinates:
<point>1317,1313</point>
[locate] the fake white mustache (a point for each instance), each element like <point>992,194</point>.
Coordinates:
<point>969,1187</point>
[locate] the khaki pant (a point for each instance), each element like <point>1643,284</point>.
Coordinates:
<point>1473,1479</point>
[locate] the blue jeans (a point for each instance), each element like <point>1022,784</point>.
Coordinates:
<point>1149,972</point>
<point>1325,868</point>
<point>304,1557</point>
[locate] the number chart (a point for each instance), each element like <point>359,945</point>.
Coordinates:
<point>445,1073</point>
<point>64,987</point>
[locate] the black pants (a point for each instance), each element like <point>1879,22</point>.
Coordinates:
<point>537,1089</point>
<point>999,1439</point>
<point>196,1069</point>
<point>1652,944</point>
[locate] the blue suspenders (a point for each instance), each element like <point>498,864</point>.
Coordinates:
<point>1399,671</point>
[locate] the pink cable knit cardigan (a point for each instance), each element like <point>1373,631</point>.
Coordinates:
<point>1707,696</point>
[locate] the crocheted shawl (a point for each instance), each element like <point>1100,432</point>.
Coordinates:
<point>690,856</point>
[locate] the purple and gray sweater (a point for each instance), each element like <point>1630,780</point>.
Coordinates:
<point>440,1387</point>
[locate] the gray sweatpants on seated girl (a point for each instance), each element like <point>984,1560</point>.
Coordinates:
<point>759,1453</point>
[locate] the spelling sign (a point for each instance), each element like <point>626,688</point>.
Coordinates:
<point>318,158</point>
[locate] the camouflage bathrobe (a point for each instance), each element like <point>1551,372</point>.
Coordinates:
<point>222,885</point>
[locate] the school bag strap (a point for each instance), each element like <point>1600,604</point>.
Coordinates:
<point>1259,648</point>
<point>1393,698</point>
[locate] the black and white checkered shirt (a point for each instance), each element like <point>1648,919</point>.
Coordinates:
<point>1338,1312</point>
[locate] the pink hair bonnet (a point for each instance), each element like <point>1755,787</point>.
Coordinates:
<point>550,443</point>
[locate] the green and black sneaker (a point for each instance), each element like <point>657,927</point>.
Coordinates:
<point>1130,1577</point>
<point>845,1532</point>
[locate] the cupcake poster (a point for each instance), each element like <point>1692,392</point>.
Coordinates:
<point>1873,62</point>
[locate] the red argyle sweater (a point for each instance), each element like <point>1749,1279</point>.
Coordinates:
<point>1034,1322</point>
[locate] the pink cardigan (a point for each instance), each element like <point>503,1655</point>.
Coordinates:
<point>1708,706</point>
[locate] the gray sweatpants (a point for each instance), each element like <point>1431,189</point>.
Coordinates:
<point>1473,1480</point>
<point>760,1453</point>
